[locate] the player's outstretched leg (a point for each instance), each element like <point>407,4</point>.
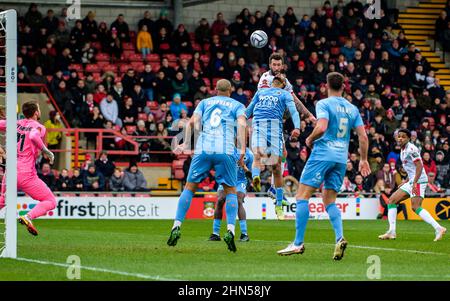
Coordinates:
<point>231,209</point>
<point>301,219</point>
<point>184,203</point>
<point>39,191</point>
<point>426,216</point>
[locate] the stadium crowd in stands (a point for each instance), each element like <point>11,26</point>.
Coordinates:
<point>148,82</point>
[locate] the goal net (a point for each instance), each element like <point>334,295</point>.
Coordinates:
<point>8,139</point>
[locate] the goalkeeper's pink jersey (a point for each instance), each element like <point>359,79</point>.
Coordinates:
<point>30,141</point>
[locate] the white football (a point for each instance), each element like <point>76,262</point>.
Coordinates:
<point>259,39</point>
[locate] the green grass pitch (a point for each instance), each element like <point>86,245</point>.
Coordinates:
<point>137,250</point>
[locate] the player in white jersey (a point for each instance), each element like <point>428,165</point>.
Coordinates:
<point>276,65</point>
<point>414,188</point>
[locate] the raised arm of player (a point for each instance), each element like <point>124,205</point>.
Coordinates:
<point>35,137</point>
<point>295,118</point>
<point>251,106</point>
<point>364,167</point>
<point>302,109</point>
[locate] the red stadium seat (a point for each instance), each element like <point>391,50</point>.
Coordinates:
<point>132,34</point>
<point>155,66</point>
<point>138,66</point>
<point>96,45</point>
<point>335,51</point>
<point>188,104</point>
<point>186,56</point>
<point>205,59</point>
<point>49,78</point>
<point>110,68</point>
<point>206,47</point>
<point>102,57</point>
<point>135,57</point>
<point>102,63</point>
<point>128,46</point>
<point>153,57</point>
<point>196,47</point>
<point>173,64</point>
<point>81,75</point>
<point>97,77</point>
<point>192,36</point>
<point>152,105</point>
<point>76,67</point>
<point>130,129</point>
<point>125,67</point>
<point>93,68</point>
<point>171,57</point>
<point>142,116</point>
<point>126,54</point>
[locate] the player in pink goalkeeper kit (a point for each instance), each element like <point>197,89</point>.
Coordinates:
<point>30,142</point>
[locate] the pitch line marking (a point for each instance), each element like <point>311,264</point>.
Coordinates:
<point>94,269</point>
<point>364,247</point>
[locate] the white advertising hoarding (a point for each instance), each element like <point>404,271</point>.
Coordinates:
<point>165,208</point>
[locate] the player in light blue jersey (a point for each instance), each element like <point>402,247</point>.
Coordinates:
<point>267,107</point>
<point>241,191</point>
<point>217,117</point>
<point>327,164</point>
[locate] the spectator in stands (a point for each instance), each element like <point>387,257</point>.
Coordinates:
<point>47,176</point>
<point>134,179</point>
<point>50,22</point>
<point>162,87</point>
<point>77,180</point>
<point>161,144</point>
<point>122,28</point>
<point>177,106</point>
<point>161,112</point>
<point>129,80</point>
<point>203,32</point>
<point>181,40</point>
<point>117,91</point>
<point>45,60</point>
<point>116,181</point>
<point>90,27</point>
<point>103,36</point>
<point>110,110</point>
<point>163,42</point>
<point>180,85</point>
<point>194,82</point>
<point>387,176</point>
<point>240,96</point>
<point>37,78</point>
<point>64,182</point>
<point>114,46</point>
<point>93,180</point>
<point>442,167</point>
<point>94,121</point>
<point>128,113</point>
<point>144,42</point>
<point>33,16</point>
<point>202,93</point>
<point>147,79</point>
<point>104,165</point>
<point>163,22</point>
<point>147,21</point>
<point>428,163</point>
<point>218,25</point>
<point>54,138</point>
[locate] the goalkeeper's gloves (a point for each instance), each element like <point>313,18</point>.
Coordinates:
<point>49,154</point>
